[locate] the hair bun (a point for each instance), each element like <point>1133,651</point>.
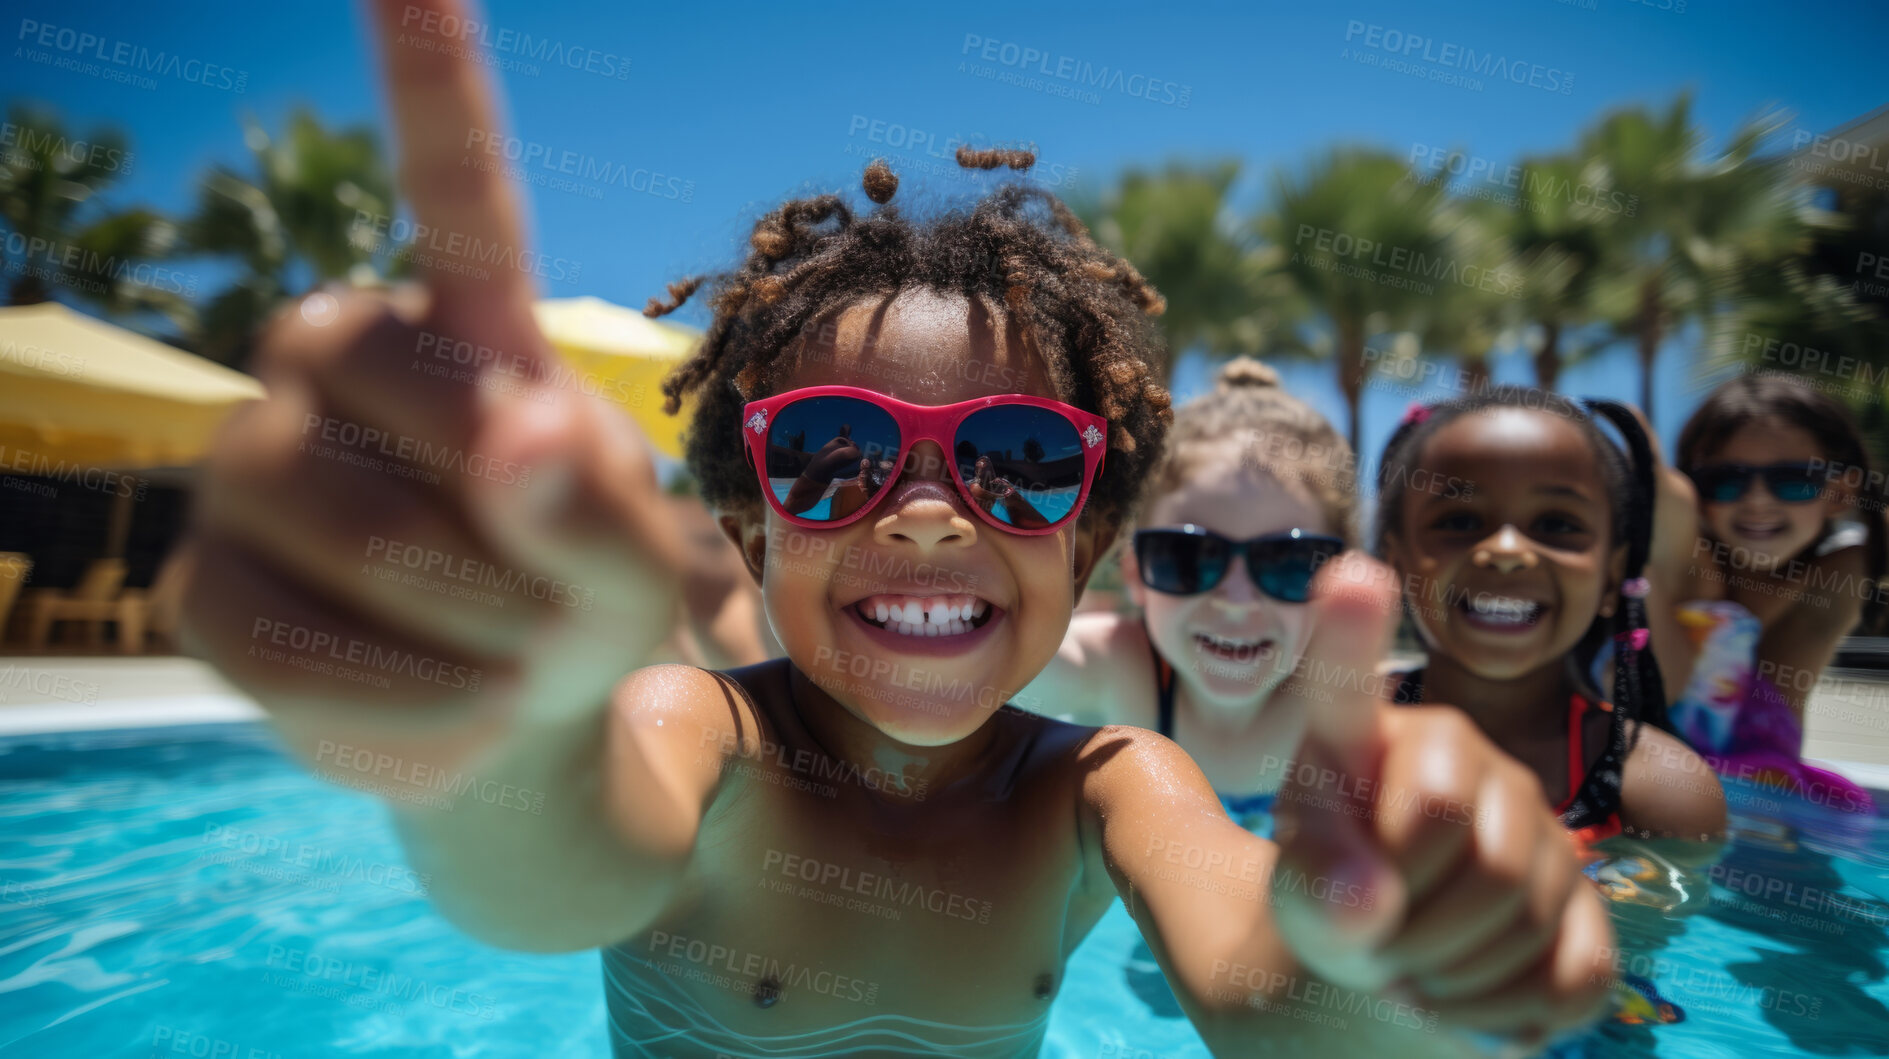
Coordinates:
<point>1242,372</point>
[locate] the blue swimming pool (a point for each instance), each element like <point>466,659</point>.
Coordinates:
<point>191,891</point>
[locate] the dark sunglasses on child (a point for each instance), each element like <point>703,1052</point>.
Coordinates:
<point>1188,560</point>
<point>824,454</point>
<point>1792,483</point>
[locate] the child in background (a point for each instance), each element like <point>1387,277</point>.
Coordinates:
<point>1516,578</point>
<point>735,841</point>
<point>1254,494</point>
<point>1768,560</point>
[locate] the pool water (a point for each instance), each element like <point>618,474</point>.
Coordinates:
<point>192,891</point>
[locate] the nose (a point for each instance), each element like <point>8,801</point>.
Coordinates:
<point>1236,591</point>
<point>1507,551</point>
<point>924,509</point>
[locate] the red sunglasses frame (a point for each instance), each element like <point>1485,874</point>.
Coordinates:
<point>916,423</point>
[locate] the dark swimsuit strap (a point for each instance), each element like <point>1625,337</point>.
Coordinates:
<point>1597,799</point>
<point>1163,686</point>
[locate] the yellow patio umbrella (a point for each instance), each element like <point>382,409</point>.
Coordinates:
<point>622,355</point>
<point>77,391</point>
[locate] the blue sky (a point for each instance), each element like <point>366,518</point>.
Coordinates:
<point>735,106</point>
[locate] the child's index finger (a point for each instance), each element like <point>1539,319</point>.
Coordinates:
<point>1356,601</point>
<point>468,235</point>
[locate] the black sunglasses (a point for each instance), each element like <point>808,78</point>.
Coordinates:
<point>1791,483</point>
<point>1191,560</point>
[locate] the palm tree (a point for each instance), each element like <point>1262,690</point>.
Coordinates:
<point>1367,247</point>
<point>1558,232</point>
<point>1815,300</point>
<point>315,211</point>
<point>1698,225</point>
<point>1470,318</point>
<point>65,238</point>
<point>1174,227</point>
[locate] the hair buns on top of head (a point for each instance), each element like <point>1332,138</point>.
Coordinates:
<point>881,182</point>
<point>1241,372</point>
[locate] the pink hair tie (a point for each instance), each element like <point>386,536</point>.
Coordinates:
<point>1634,638</point>
<point>1635,587</point>
<point>1417,412</point>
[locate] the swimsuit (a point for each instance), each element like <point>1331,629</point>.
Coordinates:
<point>1591,809</point>
<point>1739,721</point>
<point>1251,811</point>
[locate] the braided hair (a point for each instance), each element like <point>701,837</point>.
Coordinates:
<point>1639,694</point>
<point>1085,309</point>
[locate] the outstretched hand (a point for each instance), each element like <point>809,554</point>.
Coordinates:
<point>377,450</point>
<point>1479,910</point>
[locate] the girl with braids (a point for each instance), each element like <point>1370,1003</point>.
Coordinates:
<point>857,848</point>
<point>1514,582</point>
<point>1764,559</point>
<point>1254,494</point>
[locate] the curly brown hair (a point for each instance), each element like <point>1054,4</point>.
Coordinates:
<point>1085,309</point>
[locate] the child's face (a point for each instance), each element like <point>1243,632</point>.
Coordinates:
<point>921,542</point>
<point>1233,644</point>
<point>1772,530</point>
<point>1512,561</point>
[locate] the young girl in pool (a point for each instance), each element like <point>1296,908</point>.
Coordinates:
<point>855,849</point>
<point>1516,575</point>
<point>1254,494</point>
<point>1768,559</point>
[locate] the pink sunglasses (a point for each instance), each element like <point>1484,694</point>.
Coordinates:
<point>826,453</point>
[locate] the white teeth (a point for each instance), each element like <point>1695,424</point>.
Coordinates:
<point>882,612</point>
<point>956,627</point>
<point>977,608</point>
<point>905,628</point>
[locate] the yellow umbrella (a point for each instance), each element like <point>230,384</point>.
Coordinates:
<point>75,390</point>
<point>622,355</point>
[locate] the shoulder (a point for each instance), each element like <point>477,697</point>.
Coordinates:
<point>683,723</point>
<point>1120,764</point>
<point>1668,791</point>
<point>1101,674</point>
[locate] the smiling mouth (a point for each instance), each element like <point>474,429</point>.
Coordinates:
<point>1232,650</point>
<point>1758,531</point>
<point>1502,613</point>
<point>924,616</point>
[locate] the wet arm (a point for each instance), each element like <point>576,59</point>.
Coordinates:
<point>575,834</point>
